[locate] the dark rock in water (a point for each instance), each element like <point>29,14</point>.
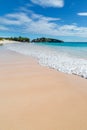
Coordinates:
<point>46,40</point>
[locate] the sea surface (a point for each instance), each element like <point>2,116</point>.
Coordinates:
<point>68,57</point>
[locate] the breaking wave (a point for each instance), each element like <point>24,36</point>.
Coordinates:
<point>65,59</point>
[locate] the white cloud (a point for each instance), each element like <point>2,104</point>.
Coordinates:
<point>9,22</point>
<point>82,14</point>
<point>39,24</point>
<point>3,28</point>
<point>49,3</point>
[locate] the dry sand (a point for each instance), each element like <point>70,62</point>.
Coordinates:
<point>33,97</point>
<point>7,41</point>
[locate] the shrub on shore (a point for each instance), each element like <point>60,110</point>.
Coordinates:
<point>1,39</point>
<point>20,39</point>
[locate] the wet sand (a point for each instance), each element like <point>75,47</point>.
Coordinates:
<point>33,97</point>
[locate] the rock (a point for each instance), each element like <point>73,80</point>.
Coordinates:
<point>46,40</point>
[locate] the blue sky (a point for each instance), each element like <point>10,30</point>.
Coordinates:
<point>62,19</point>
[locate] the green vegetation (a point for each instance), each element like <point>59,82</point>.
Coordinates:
<point>20,39</point>
<point>43,39</point>
<point>25,39</point>
<point>1,38</point>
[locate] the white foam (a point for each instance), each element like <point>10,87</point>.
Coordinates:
<point>53,58</point>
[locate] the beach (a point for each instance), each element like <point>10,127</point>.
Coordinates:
<point>33,97</point>
<point>3,42</point>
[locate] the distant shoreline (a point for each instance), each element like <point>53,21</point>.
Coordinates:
<point>25,39</point>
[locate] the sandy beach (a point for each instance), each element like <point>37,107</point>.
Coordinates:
<point>33,97</point>
<point>2,42</point>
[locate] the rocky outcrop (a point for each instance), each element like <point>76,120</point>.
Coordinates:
<point>46,40</point>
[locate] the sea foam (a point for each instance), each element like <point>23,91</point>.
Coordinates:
<point>53,57</point>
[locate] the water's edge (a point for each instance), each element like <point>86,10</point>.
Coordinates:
<point>54,57</point>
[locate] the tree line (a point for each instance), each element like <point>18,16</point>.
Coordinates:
<point>20,39</point>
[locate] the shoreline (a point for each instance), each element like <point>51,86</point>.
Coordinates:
<point>2,42</point>
<point>50,67</point>
<point>34,97</point>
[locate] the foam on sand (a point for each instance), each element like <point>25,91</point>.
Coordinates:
<point>54,58</point>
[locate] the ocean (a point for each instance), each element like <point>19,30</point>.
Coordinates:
<point>68,57</point>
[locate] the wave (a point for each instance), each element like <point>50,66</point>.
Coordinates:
<point>53,57</point>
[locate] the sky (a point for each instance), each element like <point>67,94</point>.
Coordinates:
<point>61,19</point>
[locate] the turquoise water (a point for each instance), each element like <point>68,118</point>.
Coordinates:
<point>66,57</point>
<point>66,44</point>
<point>74,49</point>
